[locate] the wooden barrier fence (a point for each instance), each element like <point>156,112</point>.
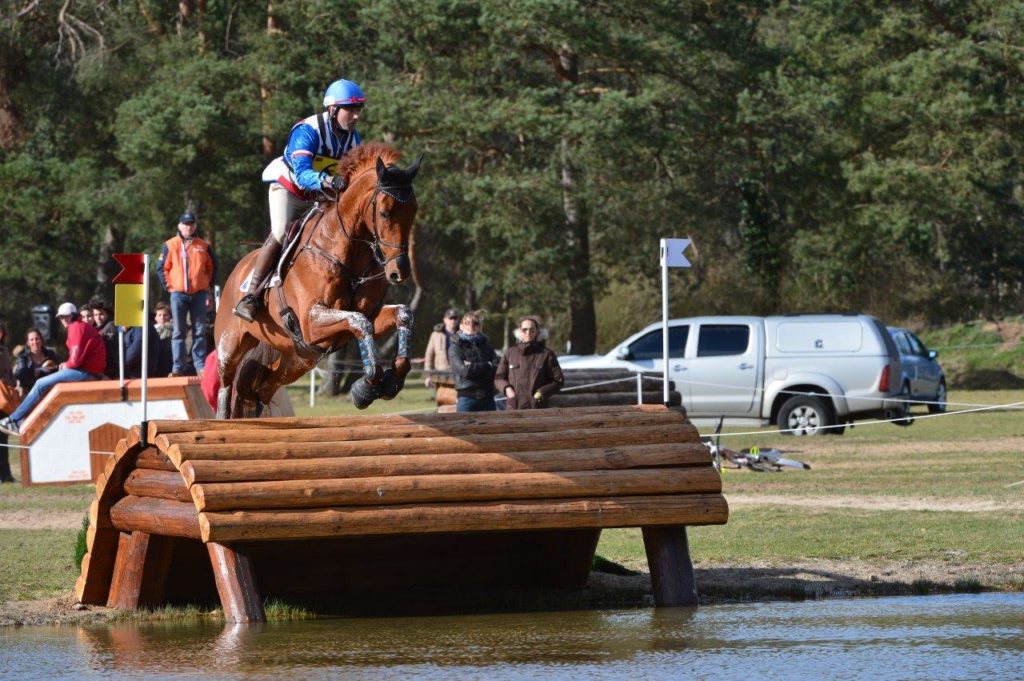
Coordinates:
<point>302,506</point>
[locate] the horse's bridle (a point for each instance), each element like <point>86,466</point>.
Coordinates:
<point>400,193</point>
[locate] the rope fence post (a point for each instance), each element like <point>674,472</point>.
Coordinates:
<point>639,388</point>
<point>312,388</point>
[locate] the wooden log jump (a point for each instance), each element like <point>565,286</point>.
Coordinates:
<point>250,509</point>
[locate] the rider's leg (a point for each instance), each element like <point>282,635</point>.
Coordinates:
<point>283,206</point>
<point>249,306</point>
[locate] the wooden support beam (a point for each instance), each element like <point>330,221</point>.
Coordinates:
<point>668,455</point>
<point>460,488</point>
<point>236,583</point>
<point>386,446</point>
<point>543,514</point>
<point>140,571</point>
<point>668,557</point>
<point>376,431</point>
<point>513,419</point>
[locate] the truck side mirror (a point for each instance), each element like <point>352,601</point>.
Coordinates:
<point>932,354</point>
<point>623,353</point>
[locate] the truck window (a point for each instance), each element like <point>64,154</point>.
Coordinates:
<point>649,346</point>
<point>916,345</point>
<point>903,343</point>
<point>717,340</point>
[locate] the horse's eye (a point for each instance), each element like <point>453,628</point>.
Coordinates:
<point>385,215</point>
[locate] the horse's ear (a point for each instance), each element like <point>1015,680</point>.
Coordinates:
<point>380,168</point>
<point>414,168</point>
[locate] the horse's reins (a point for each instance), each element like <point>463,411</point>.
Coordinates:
<point>375,244</point>
<point>398,193</point>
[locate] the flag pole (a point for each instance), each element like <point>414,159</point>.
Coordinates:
<point>145,333</point>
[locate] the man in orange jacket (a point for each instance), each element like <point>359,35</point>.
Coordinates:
<point>188,269</point>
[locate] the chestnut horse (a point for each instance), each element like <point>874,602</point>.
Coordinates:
<point>334,278</point>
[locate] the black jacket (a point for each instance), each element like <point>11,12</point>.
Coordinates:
<point>473,363</point>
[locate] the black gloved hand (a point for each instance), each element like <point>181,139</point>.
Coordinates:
<point>339,184</point>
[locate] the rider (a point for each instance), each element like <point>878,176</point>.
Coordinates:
<point>315,145</point>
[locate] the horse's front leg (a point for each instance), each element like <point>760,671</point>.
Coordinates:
<point>398,317</point>
<point>327,323</point>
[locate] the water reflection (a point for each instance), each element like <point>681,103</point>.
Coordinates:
<point>952,637</point>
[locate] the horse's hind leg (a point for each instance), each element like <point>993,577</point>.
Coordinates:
<point>392,316</point>
<point>231,348</point>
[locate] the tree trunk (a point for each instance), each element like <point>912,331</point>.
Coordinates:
<point>106,268</point>
<point>268,146</point>
<point>583,329</point>
<point>583,317</point>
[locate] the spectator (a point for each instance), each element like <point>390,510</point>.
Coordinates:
<point>86,313</point>
<point>7,377</point>
<point>529,374</point>
<point>436,358</point>
<point>34,361</point>
<point>187,270</point>
<point>164,328</point>
<point>297,177</point>
<point>87,357</point>
<point>472,362</point>
<point>103,320</point>
<point>133,352</point>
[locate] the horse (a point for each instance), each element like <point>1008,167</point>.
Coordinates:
<point>335,272</point>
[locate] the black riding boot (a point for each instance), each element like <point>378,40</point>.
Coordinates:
<point>249,306</point>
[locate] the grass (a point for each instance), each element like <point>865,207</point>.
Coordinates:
<point>957,466</point>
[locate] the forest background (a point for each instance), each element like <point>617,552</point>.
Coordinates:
<point>822,155</point>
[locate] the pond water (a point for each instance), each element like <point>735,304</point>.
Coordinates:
<point>941,637</point>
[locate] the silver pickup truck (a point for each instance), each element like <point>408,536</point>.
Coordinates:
<point>809,373</point>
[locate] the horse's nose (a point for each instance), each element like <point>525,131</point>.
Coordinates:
<point>402,262</point>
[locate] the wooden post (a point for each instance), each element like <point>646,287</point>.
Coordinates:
<point>140,571</point>
<point>668,557</point>
<point>236,584</point>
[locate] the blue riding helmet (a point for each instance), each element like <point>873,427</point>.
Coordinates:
<point>343,93</point>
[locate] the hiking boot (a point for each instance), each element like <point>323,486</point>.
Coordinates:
<point>9,426</point>
<point>251,303</point>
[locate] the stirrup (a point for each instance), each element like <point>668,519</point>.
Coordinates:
<point>248,307</point>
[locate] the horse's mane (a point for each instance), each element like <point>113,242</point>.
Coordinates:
<point>366,155</point>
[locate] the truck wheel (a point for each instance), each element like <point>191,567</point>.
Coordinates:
<point>939,405</point>
<point>805,415</point>
<point>905,402</point>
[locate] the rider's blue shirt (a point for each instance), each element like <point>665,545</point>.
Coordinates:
<point>313,149</point>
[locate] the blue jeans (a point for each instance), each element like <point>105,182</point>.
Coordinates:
<point>185,306</point>
<point>43,386</point>
<point>475,404</point>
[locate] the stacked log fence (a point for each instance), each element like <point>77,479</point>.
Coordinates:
<point>291,507</point>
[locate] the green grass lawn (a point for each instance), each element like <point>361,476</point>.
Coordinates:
<point>950,464</point>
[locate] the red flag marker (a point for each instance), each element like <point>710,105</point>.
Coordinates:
<point>134,268</point>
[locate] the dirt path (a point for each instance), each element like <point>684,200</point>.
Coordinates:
<point>875,503</point>
<point>40,520</point>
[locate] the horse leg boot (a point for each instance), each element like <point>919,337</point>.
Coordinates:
<point>249,306</point>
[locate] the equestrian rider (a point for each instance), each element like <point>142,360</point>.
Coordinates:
<point>315,145</point>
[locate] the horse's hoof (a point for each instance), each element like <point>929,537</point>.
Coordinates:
<point>392,385</point>
<point>363,393</point>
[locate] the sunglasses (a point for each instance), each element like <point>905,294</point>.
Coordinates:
<point>351,107</point>
<point>528,329</point>
<point>471,323</point>
<point>455,317</point>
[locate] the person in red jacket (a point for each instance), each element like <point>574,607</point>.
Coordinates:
<point>188,270</point>
<point>87,358</point>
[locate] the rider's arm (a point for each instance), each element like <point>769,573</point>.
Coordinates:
<point>303,144</point>
<point>160,267</point>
